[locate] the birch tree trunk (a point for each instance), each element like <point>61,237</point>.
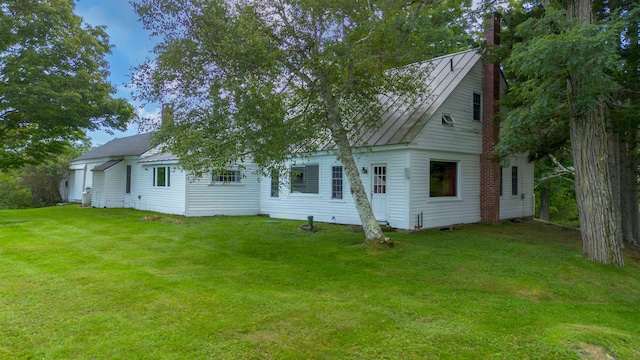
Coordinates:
<point>372,230</point>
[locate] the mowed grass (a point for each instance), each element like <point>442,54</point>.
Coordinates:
<point>79,283</point>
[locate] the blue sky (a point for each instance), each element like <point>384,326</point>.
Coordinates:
<point>132,47</point>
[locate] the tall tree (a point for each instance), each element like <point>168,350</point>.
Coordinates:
<point>53,83</point>
<point>541,136</point>
<point>274,79</point>
<point>569,65</point>
<point>624,117</point>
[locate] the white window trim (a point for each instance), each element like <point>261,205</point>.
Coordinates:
<point>341,198</point>
<point>458,196</point>
<point>447,119</point>
<point>473,105</point>
<point>240,177</point>
<point>167,177</point>
<point>307,194</point>
<point>518,182</point>
<point>279,178</point>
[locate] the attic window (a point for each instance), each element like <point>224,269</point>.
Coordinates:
<point>448,120</point>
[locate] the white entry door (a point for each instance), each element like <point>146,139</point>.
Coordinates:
<point>379,192</point>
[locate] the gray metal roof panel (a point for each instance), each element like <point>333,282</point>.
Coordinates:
<point>159,157</point>
<point>400,123</point>
<point>127,146</point>
<point>104,166</point>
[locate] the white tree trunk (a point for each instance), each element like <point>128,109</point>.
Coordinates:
<point>373,231</point>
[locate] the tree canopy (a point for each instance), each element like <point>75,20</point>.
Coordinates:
<point>573,69</point>
<point>273,79</point>
<point>255,77</point>
<point>53,83</point>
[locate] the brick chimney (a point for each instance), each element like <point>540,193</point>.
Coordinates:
<point>167,113</point>
<point>490,170</point>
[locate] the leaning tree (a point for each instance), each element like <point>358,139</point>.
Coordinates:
<point>269,80</point>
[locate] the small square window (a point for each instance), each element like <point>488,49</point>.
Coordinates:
<point>162,176</point>
<point>443,179</point>
<point>448,120</point>
<point>305,179</point>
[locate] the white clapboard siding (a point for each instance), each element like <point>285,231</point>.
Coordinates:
<point>115,185</point>
<point>438,212</point>
<point>341,211</point>
<point>130,199</point>
<point>153,151</point>
<point>205,198</point>
<point>299,206</point>
<point>465,134</point>
<point>98,194</point>
<point>168,199</point>
<point>76,181</point>
<point>82,177</point>
<point>514,206</point>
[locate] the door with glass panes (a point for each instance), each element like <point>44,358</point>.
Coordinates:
<point>379,191</point>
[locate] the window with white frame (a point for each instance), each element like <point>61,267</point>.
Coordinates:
<point>477,106</point>
<point>162,176</point>
<point>443,178</point>
<point>336,182</point>
<point>305,179</point>
<point>275,183</point>
<point>447,119</point>
<point>226,176</point>
<point>514,180</point>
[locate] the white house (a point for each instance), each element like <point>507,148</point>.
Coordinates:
<point>130,173</point>
<point>426,168</point>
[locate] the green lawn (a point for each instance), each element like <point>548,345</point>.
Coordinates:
<point>81,283</point>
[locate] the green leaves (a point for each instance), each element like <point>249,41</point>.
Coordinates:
<point>560,68</point>
<point>561,54</point>
<point>52,81</point>
<point>269,77</point>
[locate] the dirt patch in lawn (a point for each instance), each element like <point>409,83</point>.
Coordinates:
<point>593,352</point>
<point>161,219</point>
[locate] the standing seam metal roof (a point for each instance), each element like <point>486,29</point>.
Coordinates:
<point>400,123</point>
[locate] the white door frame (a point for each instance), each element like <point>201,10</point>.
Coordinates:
<point>379,181</point>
